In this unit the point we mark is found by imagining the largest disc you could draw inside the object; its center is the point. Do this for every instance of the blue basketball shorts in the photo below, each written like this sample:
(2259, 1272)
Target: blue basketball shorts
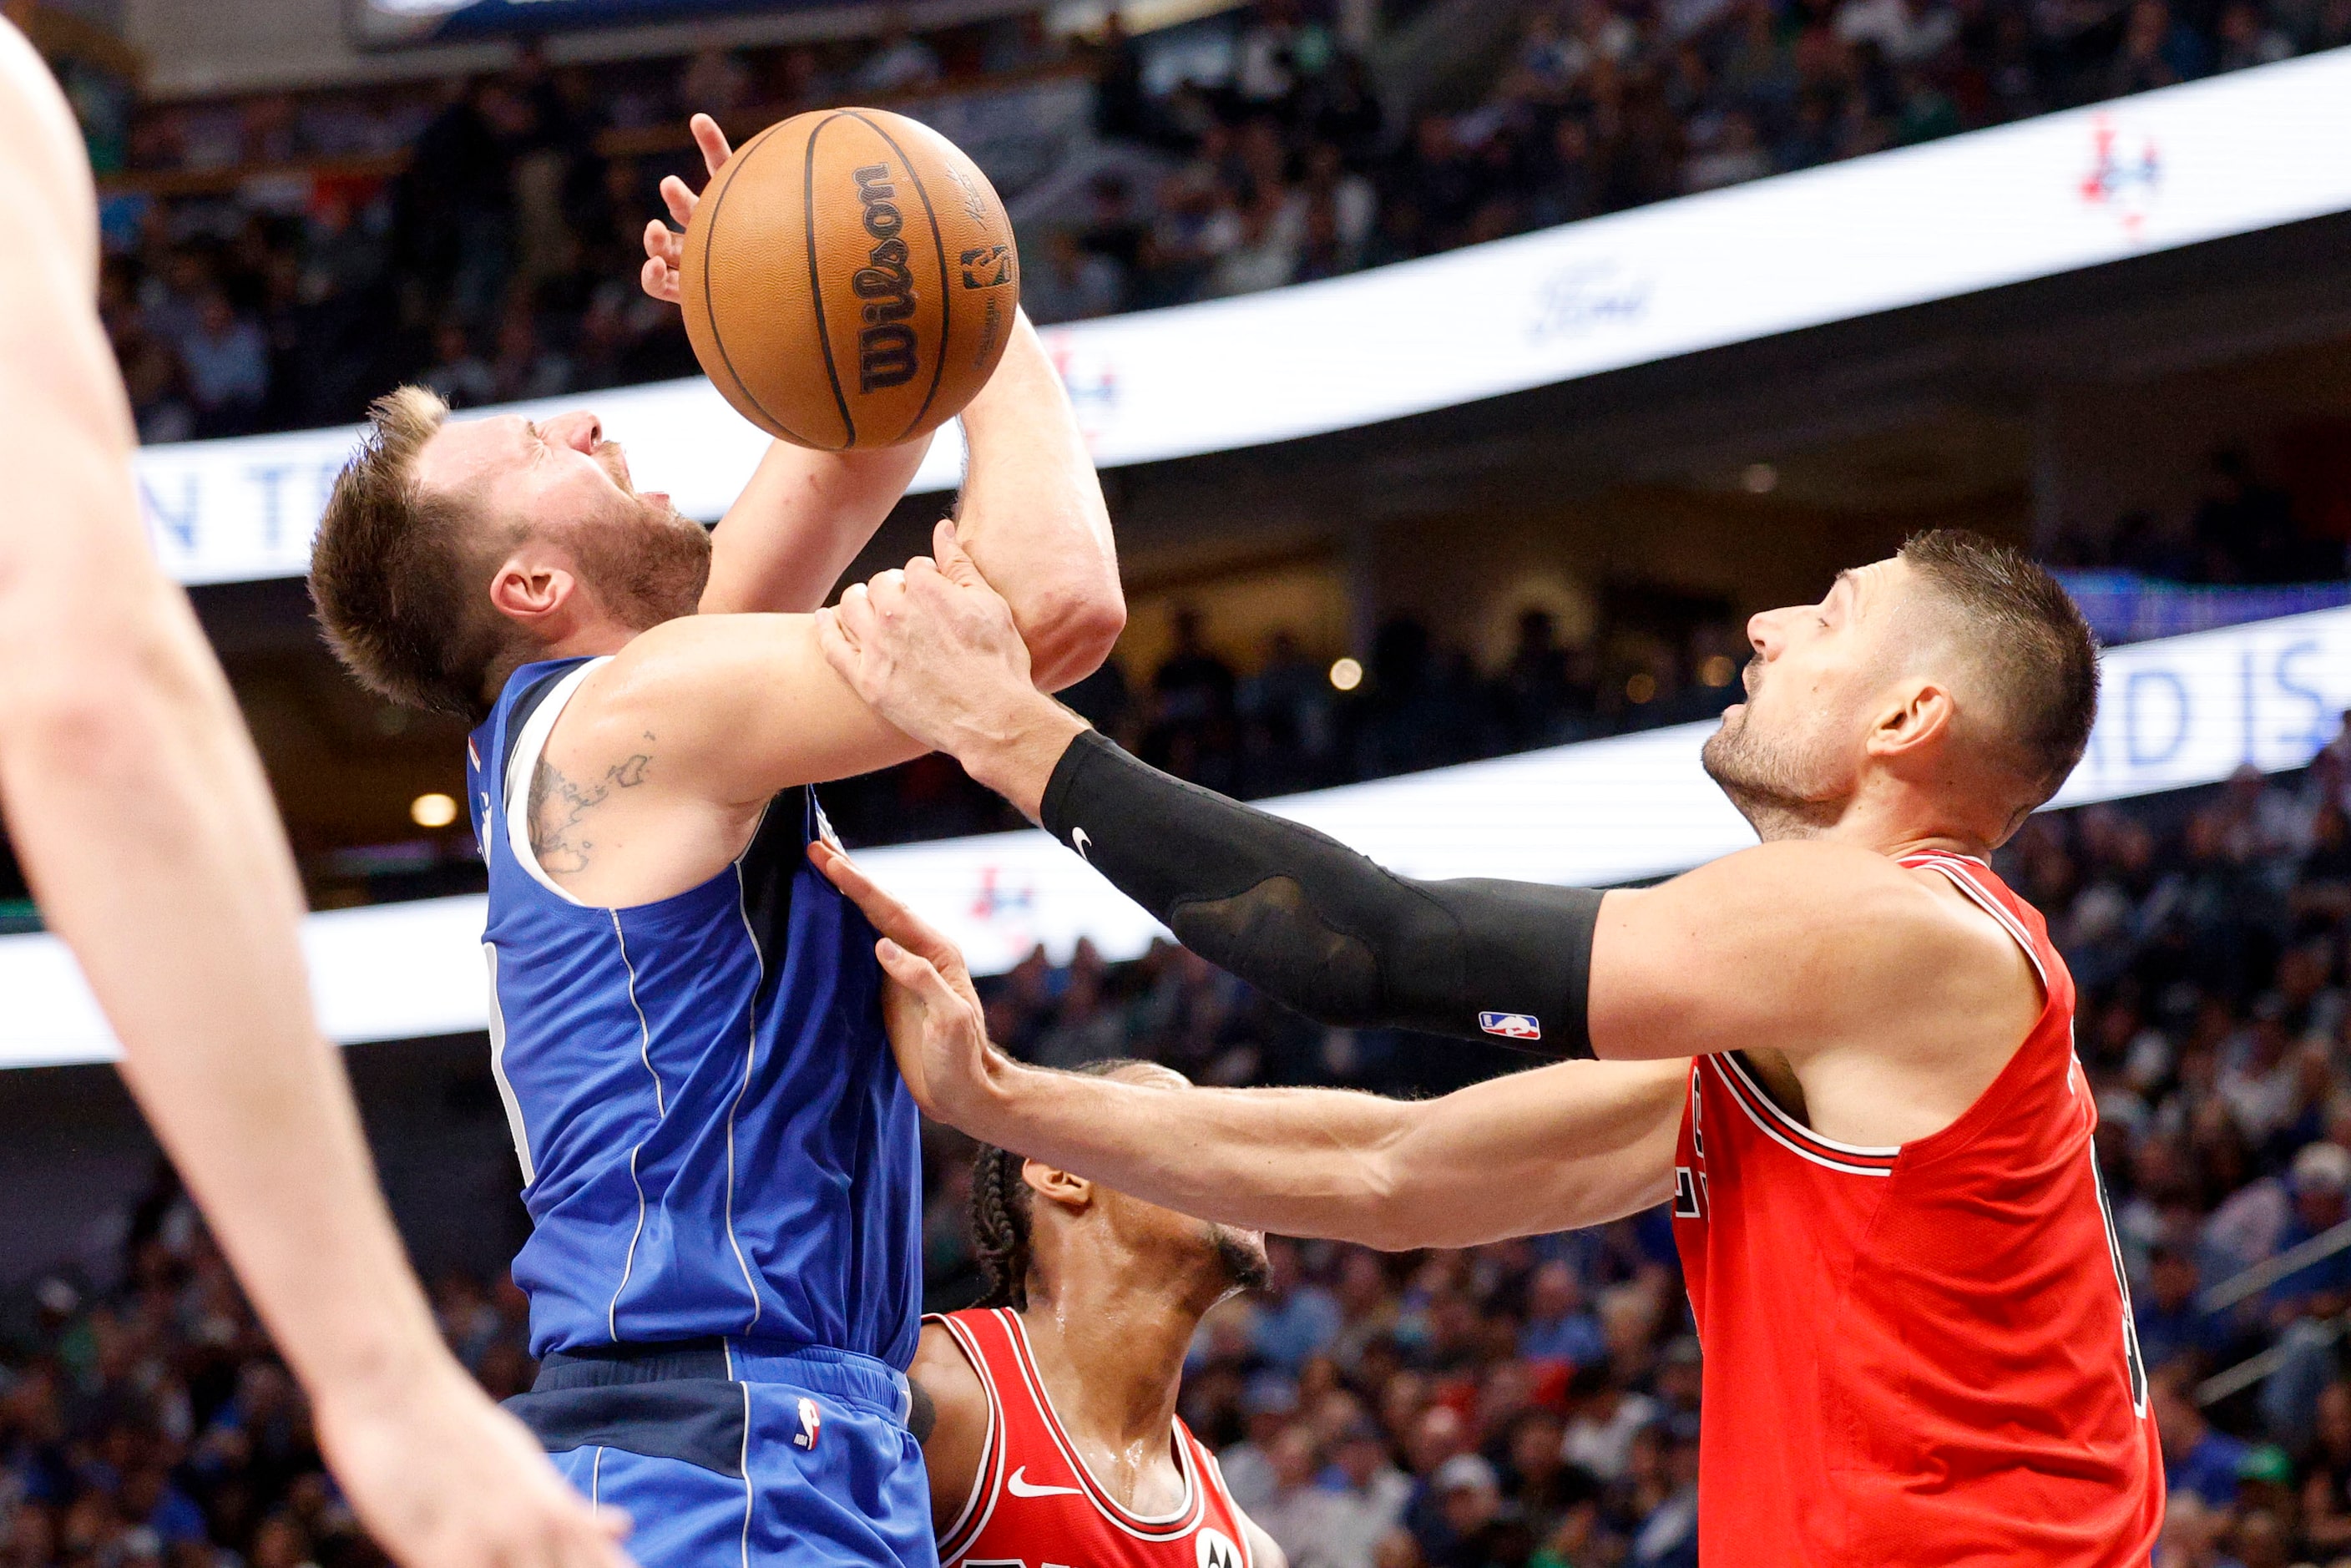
(730, 1455)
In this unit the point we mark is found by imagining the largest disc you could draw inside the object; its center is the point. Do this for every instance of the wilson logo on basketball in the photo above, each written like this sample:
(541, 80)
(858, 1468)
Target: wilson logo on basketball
(885, 347)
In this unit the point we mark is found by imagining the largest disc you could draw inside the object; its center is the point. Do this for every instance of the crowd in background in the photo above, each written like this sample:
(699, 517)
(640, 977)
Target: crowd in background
(1291, 721)
(1528, 1405)
(276, 260)
(2242, 528)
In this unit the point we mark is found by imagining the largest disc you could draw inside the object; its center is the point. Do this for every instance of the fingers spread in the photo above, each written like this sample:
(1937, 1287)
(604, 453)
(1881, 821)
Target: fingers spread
(712, 140)
(677, 199)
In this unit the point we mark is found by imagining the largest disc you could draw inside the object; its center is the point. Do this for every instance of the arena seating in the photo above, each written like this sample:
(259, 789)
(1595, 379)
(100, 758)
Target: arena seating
(1523, 1404)
(255, 243)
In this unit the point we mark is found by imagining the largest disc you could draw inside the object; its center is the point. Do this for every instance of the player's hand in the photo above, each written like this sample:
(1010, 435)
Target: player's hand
(931, 647)
(442, 1477)
(938, 1029)
(665, 248)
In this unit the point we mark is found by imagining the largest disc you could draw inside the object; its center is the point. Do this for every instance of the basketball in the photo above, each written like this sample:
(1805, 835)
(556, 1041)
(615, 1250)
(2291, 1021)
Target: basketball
(849, 279)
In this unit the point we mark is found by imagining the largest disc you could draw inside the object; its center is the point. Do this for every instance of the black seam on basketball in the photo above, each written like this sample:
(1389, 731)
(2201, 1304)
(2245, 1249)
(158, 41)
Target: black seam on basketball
(710, 312)
(816, 285)
(938, 248)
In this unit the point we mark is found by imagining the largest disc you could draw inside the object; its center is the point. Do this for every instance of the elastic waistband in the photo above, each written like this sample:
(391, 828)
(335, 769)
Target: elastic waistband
(819, 1369)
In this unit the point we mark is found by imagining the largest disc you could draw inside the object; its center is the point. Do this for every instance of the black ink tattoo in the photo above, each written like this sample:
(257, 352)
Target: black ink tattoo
(559, 807)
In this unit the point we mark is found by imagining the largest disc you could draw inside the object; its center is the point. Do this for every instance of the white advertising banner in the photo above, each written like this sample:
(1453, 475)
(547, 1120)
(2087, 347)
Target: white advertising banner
(2186, 711)
(2219, 157)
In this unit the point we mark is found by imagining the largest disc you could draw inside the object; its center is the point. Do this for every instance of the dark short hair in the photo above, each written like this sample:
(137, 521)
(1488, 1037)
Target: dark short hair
(1000, 1209)
(2040, 653)
(391, 572)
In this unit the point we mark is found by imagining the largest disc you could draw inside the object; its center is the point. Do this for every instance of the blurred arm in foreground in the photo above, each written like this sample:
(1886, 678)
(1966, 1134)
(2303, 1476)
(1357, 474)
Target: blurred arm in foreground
(139, 810)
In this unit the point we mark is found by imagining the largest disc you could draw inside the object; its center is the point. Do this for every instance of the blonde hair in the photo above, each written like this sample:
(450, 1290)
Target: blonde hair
(393, 568)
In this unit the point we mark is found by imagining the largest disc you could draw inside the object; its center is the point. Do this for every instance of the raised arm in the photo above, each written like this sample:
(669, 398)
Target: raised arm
(142, 820)
(1571, 1144)
(805, 514)
(1031, 511)
(1032, 517)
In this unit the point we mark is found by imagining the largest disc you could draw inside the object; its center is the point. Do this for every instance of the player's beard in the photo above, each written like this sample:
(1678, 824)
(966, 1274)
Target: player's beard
(1241, 1256)
(649, 567)
(1776, 782)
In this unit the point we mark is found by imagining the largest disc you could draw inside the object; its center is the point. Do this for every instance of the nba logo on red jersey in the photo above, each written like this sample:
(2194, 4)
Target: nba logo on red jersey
(811, 1423)
(1511, 1026)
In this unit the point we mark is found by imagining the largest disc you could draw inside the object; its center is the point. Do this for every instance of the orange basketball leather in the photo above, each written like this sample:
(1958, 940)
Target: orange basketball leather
(849, 279)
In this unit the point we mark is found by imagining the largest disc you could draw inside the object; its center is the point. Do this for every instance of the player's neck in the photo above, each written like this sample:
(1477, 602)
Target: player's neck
(1893, 827)
(1114, 1359)
(591, 639)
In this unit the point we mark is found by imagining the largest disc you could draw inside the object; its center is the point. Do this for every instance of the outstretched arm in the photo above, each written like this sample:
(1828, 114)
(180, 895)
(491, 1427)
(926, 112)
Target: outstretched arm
(146, 828)
(1799, 947)
(1569, 1144)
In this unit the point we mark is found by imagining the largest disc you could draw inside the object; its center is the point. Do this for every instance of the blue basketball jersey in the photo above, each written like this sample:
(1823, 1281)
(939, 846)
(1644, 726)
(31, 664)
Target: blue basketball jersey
(714, 1139)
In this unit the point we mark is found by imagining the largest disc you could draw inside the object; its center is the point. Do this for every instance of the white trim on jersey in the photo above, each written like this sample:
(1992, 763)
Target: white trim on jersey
(515, 1128)
(1960, 870)
(1785, 1141)
(1885, 1152)
(661, 1113)
(524, 767)
(988, 1485)
(1155, 1527)
(750, 1059)
(749, 1495)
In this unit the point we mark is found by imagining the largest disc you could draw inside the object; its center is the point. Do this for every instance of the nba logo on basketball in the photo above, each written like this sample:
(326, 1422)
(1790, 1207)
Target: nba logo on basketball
(1511, 1026)
(1215, 1550)
(811, 1423)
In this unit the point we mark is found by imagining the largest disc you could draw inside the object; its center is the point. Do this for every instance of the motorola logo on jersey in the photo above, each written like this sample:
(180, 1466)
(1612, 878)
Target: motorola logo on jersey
(1215, 1548)
(811, 1424)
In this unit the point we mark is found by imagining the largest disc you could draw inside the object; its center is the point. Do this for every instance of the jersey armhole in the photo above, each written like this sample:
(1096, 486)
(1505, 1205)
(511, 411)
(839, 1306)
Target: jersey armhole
(522, 769)
(979, 1503)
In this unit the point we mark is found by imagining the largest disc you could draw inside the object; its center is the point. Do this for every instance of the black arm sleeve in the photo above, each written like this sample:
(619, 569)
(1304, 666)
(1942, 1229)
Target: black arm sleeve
(1316, 926)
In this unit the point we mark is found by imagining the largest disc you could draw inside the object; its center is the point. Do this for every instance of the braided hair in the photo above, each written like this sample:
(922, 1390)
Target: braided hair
(999, 1210)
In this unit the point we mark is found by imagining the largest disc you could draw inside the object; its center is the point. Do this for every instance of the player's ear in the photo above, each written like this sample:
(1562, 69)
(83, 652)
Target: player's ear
(1073, 1193)
(530, 591)
(1916, 713)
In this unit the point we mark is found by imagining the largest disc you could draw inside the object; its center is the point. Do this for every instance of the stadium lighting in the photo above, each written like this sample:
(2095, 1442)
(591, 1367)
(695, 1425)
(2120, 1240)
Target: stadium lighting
(1346, 675)
(432, 810)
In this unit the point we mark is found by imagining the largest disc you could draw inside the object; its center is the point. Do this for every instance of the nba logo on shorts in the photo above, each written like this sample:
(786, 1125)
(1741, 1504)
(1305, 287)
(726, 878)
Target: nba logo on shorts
(811, 1423)
(1215, 1548)
(1511, 1026)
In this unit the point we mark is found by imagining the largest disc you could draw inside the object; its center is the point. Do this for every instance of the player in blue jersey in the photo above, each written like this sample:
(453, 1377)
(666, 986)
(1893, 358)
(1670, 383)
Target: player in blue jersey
(717, 1151)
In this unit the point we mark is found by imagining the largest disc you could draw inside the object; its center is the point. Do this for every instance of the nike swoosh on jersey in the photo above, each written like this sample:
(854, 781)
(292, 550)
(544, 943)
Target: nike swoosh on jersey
(1020, 1485)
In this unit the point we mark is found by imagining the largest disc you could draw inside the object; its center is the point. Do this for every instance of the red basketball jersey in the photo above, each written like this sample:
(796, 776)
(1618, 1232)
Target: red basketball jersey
(1922, 1354)
(1035, 1502)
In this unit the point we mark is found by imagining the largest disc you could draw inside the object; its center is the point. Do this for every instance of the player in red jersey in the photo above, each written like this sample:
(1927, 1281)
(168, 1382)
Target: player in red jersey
(1918, 1340)
(1054, 1436)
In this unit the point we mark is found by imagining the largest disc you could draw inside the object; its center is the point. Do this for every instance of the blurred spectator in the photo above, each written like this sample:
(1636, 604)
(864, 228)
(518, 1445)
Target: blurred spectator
(1073, 284)
(226, 360)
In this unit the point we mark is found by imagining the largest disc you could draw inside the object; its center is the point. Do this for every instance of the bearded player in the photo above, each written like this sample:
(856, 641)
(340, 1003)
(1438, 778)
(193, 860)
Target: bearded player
(717, 1152)
(1918, 1338)
(1055, 1437)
